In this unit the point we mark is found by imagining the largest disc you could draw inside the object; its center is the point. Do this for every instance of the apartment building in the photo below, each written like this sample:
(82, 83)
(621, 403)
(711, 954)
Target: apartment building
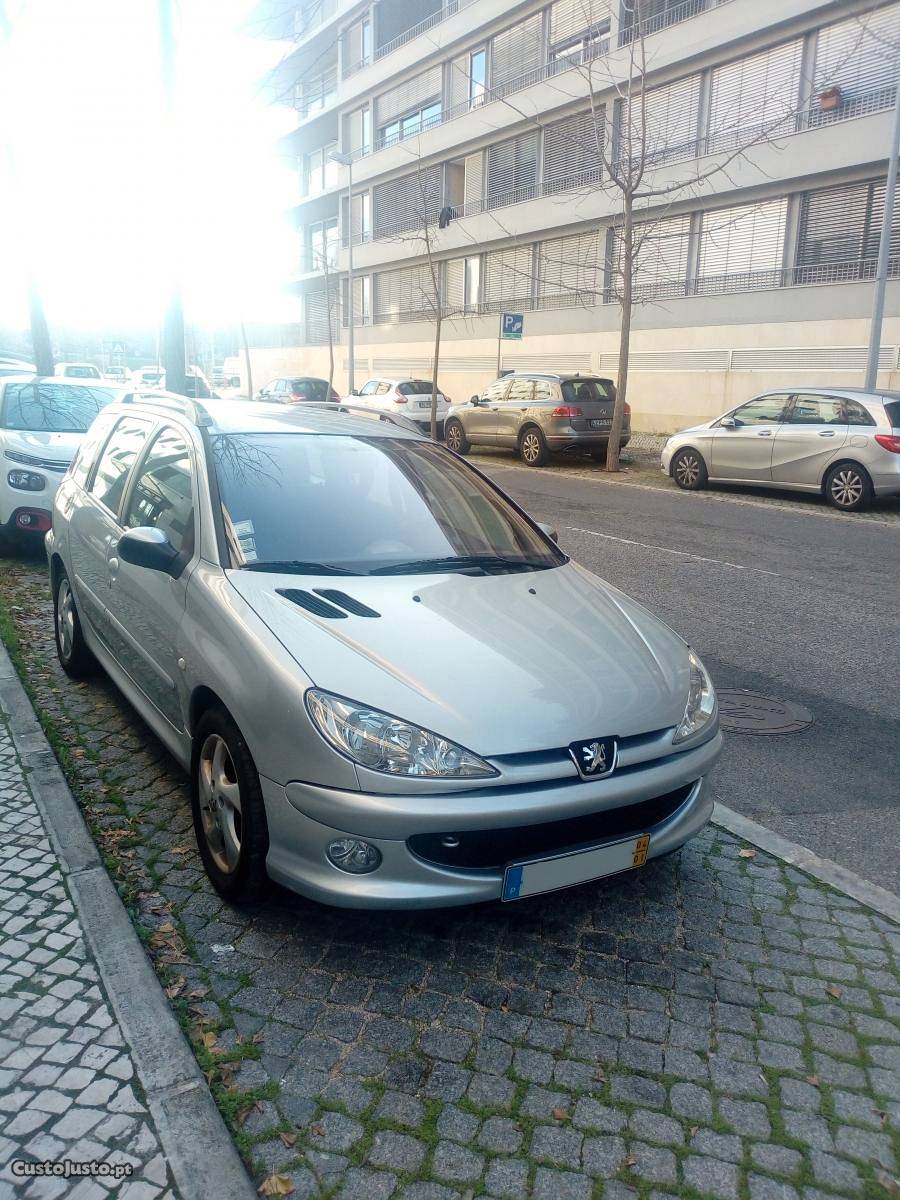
(479, 136)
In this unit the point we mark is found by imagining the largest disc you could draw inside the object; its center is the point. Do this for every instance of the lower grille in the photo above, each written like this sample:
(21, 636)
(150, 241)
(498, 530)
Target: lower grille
(486, 849)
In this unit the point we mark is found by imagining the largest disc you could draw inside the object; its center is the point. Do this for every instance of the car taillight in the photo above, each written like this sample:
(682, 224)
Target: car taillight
(627, 410)
(566, 410)
(890, 441)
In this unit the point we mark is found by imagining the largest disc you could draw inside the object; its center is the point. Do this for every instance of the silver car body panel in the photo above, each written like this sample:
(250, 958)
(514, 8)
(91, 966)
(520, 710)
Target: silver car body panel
(515, 667)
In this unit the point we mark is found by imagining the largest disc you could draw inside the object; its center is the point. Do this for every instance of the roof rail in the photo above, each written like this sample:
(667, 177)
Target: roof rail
(339, 406)
(192, 409)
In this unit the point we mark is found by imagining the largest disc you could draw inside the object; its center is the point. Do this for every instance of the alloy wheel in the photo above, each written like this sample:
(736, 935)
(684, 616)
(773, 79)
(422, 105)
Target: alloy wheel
(65, 618)
(847, 487)
(531, 447)
(220, 803)
(687, 470)
(454, 438)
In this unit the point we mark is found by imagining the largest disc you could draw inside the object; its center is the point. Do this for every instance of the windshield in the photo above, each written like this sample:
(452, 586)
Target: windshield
(53, 407)
(82, 372)
(416, 387)
(585, 391)
(311, 389)
(356, 504)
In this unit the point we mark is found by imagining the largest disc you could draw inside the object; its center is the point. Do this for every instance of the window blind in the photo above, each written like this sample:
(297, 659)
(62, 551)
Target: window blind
(860, 55)
(455, 285)
(742, 246)
(414, 93)
(661, 258)
(839, 232)
(754, 95)
(569, 271)
(672, 115)
(508, 276)
(512, 170)
(473, 183)
(458, 81)
(319, 306)
(573, 152)
(400, 204)
(569, 18)
(404, 295)
(516, 51)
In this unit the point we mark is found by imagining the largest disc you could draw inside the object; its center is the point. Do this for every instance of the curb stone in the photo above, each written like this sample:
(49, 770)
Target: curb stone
(195, 1141)
(823, 869)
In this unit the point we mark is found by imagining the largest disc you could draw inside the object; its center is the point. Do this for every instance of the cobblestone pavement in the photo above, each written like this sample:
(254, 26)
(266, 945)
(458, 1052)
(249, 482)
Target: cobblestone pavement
(67, 1080)
(716, 1025)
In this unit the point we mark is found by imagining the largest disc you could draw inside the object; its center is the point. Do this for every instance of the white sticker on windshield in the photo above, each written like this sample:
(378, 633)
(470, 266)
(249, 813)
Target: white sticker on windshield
(243, 528)
(247, 543)
(249, 555)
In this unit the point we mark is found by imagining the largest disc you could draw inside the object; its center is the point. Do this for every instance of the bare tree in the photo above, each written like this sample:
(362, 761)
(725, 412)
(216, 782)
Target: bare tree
(40, 334)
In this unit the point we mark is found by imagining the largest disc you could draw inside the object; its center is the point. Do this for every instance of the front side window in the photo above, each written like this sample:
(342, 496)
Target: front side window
(368, 389)
(496, 391)
(817, 410)
(163, 493)
(764, 410)
(116, 461)
(365, 505)
(53, 407)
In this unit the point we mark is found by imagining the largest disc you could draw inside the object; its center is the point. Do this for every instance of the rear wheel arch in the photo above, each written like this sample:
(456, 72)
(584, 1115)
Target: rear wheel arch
(867, 493)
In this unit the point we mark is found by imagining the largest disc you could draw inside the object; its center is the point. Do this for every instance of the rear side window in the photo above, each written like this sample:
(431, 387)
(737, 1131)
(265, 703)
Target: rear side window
(90, 448)
(521, 391)
(116, 461)
(817, 410)
(892, 408)
(586, 391)
(856, 414)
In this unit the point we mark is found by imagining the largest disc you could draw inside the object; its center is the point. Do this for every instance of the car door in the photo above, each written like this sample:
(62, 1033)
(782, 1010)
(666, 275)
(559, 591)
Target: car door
(743, 451)
(480, 420)
(511, 411)
(94, 525)
(814, 430)
(366, 394)
(146, 607)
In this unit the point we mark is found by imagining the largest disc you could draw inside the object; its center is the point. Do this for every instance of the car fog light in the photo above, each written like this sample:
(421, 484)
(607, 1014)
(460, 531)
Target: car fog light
(353, 855)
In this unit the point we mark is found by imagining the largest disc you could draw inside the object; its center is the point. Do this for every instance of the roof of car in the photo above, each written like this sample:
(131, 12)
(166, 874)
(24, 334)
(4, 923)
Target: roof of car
(250, 416)
(829, 390)
(565, 377)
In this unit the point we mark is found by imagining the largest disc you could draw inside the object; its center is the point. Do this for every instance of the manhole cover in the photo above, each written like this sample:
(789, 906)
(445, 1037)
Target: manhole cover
(741, 711)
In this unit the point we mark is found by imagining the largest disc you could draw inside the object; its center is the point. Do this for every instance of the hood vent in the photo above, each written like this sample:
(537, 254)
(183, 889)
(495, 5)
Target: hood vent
(317, 602)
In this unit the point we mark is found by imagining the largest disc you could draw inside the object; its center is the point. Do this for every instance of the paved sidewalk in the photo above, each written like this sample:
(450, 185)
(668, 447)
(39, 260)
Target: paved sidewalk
(67, 1080)
(718, 1025)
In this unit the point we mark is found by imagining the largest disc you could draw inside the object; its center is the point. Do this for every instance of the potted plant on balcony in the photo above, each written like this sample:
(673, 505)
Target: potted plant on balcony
(830, 98)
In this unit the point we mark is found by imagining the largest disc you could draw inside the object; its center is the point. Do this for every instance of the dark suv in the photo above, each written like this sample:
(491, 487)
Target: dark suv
(296, 389)
(536, 413)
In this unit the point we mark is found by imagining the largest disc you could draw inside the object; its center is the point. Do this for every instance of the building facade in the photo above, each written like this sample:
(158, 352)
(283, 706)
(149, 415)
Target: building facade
(484, 139)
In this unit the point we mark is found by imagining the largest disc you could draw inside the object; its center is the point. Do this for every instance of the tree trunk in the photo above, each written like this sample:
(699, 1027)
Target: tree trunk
(40, 335)
(434, 372)
(615, 433)
(249, 369)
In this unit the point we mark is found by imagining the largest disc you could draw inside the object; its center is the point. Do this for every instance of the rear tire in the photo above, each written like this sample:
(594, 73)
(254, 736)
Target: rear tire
(455, 437)
(72, 650)
(848, 487)
(228, 809)
(532, 447)
(689, 470)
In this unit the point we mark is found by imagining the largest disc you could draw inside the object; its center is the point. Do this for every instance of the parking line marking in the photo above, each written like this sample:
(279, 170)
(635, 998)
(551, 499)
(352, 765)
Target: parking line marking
(719, 562)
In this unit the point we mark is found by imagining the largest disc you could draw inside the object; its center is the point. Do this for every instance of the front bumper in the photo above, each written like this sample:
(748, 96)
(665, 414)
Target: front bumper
(303, 819)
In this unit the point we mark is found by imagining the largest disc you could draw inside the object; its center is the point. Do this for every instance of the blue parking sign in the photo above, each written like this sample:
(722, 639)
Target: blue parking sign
(512, 326)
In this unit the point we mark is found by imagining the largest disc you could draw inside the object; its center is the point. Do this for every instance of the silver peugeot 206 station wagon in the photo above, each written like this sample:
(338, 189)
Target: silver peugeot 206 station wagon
(390, 686)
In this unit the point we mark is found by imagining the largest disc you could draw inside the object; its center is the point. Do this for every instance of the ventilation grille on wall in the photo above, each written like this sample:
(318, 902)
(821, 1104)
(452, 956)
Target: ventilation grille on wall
(360, 366)
(809, 358)
(669, 360)
(556, 363)
(422, 366)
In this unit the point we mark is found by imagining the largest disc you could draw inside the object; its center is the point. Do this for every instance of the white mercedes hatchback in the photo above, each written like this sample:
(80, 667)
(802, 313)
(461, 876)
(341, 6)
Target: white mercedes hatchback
(390, 686)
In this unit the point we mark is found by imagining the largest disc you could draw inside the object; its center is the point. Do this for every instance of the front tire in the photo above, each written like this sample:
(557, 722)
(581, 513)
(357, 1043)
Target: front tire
(228, 809)
(848, 487)
(532, 448)
(72, 650)
(455, 437)
(689, 470)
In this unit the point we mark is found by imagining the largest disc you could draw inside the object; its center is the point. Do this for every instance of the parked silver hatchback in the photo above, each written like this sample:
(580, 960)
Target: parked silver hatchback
(390, 686)
(841, 443)
(537, 414)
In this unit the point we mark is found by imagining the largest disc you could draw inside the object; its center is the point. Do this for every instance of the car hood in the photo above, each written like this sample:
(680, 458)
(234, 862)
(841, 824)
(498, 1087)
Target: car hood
(703, 427)
(59, 447)
(502, 664)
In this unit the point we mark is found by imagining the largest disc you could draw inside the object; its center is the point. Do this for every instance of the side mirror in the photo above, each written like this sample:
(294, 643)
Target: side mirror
(549, 530)
(354, 391)
(728, 423)
(147, 547)
(474, 399)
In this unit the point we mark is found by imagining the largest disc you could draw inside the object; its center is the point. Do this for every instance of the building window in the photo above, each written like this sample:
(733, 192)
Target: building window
(472, 283)
(839, 234)
(477, 77)
(321, 169)
(742, 247)
(418, 121)
(323, 245)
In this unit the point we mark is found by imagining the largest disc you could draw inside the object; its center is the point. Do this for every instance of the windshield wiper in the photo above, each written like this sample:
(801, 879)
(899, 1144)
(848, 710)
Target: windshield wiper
(296, 566)
(483, 563)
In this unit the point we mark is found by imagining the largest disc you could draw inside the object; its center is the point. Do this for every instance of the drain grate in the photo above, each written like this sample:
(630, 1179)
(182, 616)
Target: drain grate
(741, 711)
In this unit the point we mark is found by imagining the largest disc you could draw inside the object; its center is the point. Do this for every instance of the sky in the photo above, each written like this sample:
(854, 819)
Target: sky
(106, 203)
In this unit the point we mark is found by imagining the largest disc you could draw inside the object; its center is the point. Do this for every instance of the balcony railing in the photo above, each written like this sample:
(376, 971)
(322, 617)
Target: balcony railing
(317, 95)
(447, 10)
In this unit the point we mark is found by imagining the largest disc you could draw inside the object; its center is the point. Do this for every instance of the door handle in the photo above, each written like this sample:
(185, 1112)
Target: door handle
(826, 433)
(112, 567)
(764, 433)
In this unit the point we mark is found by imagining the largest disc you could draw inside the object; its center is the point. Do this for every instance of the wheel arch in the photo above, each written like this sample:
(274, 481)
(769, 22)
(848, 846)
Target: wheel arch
(202, 699)
(842, 461)
(680, 451)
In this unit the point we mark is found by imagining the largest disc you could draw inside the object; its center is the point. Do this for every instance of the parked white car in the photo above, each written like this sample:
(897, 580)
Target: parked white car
(77, 371)
(42, 425)
(410, 398)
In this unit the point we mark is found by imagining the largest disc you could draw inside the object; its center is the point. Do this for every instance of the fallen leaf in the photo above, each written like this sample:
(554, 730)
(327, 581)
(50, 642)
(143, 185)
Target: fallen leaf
(560, 1114)
(208, 1039)
(317, 1130)
(747, 854)
(276, 1185)
(629, 1161)
(833, 990)
(181, 850)
(694, 1130)
(890, 1185)
(174, 989)
(813, 1079)
(288, 1138)
(244, 1113)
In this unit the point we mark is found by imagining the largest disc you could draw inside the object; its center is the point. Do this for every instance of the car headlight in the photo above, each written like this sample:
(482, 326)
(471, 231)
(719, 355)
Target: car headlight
(701, 701)
(381, 742)
(25, 481)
